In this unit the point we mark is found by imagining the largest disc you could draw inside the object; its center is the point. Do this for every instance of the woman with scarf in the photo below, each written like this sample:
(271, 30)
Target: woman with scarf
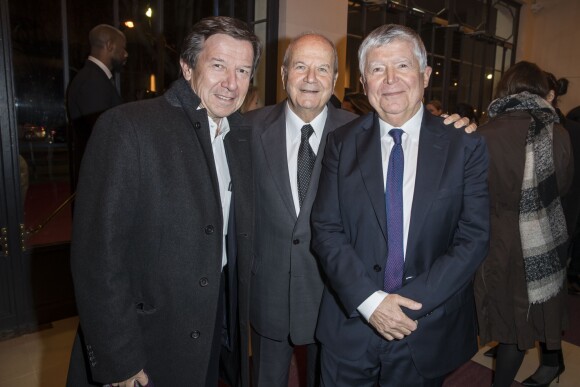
(520, 287)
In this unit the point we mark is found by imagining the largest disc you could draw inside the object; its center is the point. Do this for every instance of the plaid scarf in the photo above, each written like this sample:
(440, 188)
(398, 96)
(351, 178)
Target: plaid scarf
(541, 219)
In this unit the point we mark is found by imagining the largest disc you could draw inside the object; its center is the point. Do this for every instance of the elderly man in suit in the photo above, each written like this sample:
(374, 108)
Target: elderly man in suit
(92, 90)
(288, 143)
(400, 223)
(163, 224)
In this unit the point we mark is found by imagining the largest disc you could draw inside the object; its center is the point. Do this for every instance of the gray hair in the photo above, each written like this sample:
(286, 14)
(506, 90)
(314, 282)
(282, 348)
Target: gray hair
(287, 54)
(384, 35)
(202, 30)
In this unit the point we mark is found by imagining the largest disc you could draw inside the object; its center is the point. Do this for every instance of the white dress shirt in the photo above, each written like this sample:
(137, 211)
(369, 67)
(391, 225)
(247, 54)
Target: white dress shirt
(410, 143)
(293, 135)
(102, 66)
(223, 174)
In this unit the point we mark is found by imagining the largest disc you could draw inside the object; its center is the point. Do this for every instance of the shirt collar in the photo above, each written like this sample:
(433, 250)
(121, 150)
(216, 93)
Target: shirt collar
(412, 127)
(224, 126)
(295, 123)
(102, 66)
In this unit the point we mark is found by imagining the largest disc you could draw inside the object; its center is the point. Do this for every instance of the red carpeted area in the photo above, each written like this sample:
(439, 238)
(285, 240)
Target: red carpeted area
(42, 199)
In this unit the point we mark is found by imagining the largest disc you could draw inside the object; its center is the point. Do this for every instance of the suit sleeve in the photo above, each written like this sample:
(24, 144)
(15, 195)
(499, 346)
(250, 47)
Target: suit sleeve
(105, 209)
(452, 271)
(345, 271)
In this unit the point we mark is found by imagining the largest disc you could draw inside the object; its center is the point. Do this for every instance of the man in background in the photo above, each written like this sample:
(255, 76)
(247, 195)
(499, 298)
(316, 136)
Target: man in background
(92, 90)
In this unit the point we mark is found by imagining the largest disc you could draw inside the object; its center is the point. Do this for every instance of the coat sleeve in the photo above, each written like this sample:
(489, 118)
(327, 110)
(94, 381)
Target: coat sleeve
(104, 214)
(344, 270)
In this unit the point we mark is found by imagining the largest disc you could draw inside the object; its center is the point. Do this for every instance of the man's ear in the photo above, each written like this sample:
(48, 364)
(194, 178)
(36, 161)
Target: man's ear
(426, 76)
(362, 82)
(185, 70)
(283, 75)
(110, 45)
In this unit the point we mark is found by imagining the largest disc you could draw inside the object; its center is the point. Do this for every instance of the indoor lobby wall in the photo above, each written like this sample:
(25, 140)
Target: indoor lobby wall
(549, 36)
(328, 17)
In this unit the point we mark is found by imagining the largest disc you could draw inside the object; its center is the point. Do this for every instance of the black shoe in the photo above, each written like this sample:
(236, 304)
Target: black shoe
(544, 375)
(492, 352)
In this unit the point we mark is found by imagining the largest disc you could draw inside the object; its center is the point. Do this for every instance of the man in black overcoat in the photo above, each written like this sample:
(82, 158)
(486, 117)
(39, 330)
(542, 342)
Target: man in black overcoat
(161, 247)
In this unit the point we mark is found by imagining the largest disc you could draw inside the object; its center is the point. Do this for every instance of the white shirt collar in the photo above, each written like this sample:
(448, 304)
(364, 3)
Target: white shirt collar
(102, 66)
(294, 122)
(412, 127)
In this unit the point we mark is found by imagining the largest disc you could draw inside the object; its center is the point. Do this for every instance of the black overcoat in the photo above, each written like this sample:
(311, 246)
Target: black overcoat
(147, 241)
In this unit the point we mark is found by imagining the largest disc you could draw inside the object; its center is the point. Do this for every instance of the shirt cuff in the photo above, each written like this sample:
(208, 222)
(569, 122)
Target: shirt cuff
(367, 308)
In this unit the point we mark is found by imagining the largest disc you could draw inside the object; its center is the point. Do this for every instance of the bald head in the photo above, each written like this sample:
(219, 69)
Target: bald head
(108, 44)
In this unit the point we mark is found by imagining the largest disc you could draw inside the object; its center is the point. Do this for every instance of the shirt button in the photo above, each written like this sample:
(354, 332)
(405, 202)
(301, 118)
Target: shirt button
(209, 229)
(296, 241)
(377, 268)
(203, 281)
(195, 334)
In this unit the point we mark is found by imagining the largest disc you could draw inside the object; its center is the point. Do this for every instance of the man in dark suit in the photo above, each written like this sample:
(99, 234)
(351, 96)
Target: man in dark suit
(92, 90)
(286, 285)
(398, 307)
(162, 230)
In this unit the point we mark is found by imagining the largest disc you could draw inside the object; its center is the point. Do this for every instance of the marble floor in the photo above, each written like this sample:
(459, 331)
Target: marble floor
(40, 359)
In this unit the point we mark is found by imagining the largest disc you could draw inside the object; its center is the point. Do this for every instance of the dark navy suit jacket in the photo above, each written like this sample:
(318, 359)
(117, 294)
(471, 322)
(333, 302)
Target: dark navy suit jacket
(448, 239)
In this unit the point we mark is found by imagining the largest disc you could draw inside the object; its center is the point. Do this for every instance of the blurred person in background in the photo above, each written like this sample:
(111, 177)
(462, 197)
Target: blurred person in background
(252, 100)
(435, 107)
(520, 287)
(92, 90)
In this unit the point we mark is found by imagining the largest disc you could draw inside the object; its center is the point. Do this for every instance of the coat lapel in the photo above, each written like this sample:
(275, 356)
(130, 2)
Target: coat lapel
(433, 148)
(181, 91)
(368, 148)
(273, 141)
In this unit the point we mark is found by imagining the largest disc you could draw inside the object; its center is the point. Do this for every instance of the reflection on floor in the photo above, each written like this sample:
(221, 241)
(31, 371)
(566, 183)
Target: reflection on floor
(41, 359)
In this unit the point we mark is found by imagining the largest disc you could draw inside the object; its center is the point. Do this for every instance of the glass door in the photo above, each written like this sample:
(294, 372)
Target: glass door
(16, 311)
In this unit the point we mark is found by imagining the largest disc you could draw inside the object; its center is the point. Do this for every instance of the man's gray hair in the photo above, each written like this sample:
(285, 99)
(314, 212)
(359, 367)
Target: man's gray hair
(387, 33)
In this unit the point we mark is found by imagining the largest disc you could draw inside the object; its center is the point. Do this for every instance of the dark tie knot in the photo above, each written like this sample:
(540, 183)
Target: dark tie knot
(396, 134)
(307, 131)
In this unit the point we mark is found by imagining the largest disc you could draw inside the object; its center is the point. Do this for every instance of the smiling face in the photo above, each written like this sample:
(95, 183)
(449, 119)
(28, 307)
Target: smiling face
(222, 74)
(393, 81)
(310, 76)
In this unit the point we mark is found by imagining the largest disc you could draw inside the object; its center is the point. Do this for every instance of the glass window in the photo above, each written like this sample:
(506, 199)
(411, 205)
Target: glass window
(467, 44)
(48, 52)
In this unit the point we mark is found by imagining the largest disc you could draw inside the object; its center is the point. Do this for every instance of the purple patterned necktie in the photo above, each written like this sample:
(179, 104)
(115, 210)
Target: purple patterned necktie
(394, 202)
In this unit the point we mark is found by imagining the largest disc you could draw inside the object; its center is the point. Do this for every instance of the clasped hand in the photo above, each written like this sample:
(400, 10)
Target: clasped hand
(390, 321)
(140, 378)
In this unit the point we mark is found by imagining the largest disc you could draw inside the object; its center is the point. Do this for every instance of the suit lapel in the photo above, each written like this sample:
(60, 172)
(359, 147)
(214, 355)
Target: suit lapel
(433, 148)
(368, 148)
(273, 141)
